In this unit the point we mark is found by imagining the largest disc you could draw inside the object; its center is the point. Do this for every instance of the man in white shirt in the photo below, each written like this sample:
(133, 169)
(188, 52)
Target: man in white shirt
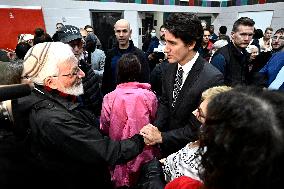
(186, 76)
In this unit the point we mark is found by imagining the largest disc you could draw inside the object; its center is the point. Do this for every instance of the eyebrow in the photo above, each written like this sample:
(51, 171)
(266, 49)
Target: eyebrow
(124, 30)
(170, 41)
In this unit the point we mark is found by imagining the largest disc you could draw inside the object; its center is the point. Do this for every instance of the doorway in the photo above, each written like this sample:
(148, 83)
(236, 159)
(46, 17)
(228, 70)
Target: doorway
(103, 23)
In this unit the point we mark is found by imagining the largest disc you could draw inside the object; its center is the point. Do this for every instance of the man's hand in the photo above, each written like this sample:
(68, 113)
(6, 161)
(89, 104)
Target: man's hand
(151, 134)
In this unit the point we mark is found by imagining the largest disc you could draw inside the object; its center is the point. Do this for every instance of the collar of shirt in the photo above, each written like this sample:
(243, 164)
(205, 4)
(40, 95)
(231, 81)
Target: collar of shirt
(187, 67)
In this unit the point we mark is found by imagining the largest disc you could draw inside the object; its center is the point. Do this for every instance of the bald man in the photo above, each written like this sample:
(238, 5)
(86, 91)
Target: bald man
(124, 45)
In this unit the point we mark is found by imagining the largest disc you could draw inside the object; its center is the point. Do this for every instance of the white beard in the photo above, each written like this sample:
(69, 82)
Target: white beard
(76, 90)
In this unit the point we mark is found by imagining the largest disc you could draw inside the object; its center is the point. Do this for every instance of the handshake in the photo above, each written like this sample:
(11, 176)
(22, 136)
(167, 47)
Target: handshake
(151, 134)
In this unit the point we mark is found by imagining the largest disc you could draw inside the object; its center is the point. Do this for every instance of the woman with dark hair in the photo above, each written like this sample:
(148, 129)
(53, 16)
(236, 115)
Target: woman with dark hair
(41, 36)
(243, 138)
(125, 111)
(22, 49)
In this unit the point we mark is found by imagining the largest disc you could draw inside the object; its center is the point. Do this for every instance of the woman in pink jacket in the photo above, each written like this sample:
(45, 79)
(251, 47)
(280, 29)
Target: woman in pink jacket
(124, 112)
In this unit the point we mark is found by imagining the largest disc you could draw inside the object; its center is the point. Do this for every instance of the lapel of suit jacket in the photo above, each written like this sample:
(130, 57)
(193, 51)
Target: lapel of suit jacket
(190, 80)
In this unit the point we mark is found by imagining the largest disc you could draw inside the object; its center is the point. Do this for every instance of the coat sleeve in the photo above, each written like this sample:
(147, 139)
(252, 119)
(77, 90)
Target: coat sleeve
(175, 139)
(101, 63)
(106, 81)
(105, 116)
(163, 113)
(78, 139)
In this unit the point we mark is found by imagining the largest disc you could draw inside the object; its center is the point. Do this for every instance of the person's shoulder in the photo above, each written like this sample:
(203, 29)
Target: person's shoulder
(278, 54)
(138, 51)
(111, 52)
(209, 68)
(100, 51)
(169, 67)
(277, 57)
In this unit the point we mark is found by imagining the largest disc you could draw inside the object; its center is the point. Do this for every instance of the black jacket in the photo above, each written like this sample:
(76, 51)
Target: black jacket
(66, 140)
(235, 62)
(112, 57)
(178, 125)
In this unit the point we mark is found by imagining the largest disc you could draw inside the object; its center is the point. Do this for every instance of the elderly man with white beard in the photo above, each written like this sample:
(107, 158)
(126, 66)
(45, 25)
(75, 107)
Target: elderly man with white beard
(65, 138)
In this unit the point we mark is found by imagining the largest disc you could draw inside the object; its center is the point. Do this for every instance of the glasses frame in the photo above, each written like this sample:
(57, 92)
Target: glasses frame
(200, 113)
(280, 38)
(75, 72)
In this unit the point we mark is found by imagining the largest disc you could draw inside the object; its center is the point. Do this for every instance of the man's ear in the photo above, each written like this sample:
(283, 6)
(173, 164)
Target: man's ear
(232, 35)
(50, 82)
(191, 45)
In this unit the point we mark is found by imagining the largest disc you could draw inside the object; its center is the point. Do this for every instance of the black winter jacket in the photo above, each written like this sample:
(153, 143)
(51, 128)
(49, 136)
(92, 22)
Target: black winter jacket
(112, 57)
(66, 140)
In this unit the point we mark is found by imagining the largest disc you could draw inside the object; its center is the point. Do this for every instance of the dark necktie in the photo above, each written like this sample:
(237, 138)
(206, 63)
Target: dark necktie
(177, 85)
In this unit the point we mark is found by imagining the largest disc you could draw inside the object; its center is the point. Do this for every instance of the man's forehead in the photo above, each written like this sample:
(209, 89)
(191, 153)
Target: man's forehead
(122, 24)
(121, 27)
(206, 32)
(245, 29)
(169, 36)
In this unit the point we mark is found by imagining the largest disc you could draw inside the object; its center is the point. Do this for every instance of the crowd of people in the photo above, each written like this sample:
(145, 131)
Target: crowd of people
(191, 110)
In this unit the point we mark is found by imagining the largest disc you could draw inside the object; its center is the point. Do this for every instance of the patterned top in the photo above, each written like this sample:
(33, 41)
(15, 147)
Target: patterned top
(184, 162)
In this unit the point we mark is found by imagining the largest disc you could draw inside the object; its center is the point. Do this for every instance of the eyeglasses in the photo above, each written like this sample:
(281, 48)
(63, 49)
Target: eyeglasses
(200, 113)
(75, 72)
(78, 43)
(90, 31)
(280, 38)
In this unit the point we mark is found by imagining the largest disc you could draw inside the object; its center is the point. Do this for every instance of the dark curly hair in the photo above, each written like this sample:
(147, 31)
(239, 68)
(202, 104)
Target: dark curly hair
(187, 27)
(22, 49)
(244, 140)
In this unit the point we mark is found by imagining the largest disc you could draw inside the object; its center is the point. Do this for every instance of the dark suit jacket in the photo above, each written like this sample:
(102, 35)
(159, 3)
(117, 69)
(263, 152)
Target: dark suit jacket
(178, 125)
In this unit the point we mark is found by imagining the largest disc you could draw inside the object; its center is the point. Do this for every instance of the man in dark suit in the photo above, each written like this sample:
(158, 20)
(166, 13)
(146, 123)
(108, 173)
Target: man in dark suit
(186, 76)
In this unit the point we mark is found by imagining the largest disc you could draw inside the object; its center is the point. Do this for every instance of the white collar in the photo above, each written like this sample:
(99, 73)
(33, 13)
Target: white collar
(187, 67)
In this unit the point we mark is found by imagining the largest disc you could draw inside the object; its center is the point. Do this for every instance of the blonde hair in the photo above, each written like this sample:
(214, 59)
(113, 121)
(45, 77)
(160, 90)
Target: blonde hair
(213, 91)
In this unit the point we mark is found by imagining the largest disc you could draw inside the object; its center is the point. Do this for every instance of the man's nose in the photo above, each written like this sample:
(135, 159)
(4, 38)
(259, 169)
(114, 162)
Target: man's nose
(247, 37)
(166, 49)
(120, 33)
(81, 74)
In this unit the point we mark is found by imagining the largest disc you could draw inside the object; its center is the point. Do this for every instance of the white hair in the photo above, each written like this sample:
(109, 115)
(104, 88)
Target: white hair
(43, 59)
(250, 47)
(220, 43)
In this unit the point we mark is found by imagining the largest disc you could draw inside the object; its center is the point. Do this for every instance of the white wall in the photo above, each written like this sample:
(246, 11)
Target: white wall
(229, 15)
(132, 17)
(77, 12)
